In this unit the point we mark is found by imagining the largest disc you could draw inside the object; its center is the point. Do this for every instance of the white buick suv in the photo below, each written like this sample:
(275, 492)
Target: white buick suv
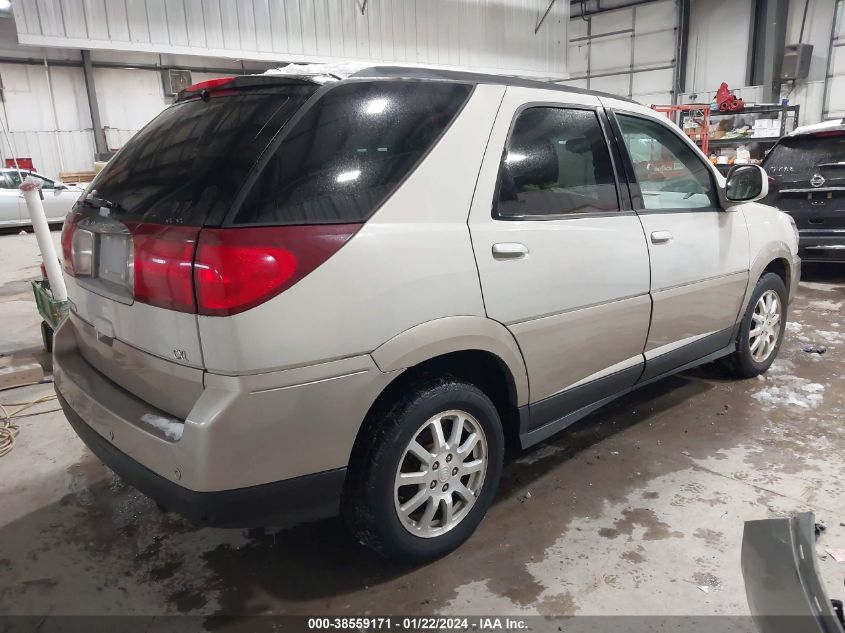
(293, 297)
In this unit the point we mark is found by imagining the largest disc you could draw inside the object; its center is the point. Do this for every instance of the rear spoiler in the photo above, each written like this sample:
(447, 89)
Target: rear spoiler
(241, 82)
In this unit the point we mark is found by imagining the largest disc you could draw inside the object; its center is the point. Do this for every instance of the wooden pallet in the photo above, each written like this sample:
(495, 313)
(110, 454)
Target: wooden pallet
(74, 177)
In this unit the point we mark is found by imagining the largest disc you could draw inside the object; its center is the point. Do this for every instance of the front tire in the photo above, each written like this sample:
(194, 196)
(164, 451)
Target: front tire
(425, 472)
(761, 330)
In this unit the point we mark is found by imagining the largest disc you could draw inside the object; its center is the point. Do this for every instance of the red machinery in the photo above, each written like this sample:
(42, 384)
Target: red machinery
(726, 101)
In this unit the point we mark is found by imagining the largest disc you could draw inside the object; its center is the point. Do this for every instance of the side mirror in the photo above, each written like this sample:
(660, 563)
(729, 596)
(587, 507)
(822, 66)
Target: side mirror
(746, 183)
(58, 187)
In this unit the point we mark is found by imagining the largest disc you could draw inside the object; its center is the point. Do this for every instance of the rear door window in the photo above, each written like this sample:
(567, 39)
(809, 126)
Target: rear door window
(349, 152)
(189, 163)
(556, 163)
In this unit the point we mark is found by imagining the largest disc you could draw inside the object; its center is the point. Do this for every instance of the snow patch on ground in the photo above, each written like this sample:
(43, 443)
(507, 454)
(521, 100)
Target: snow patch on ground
(820, 286)
(793, 327)
(171, 428)
(833, 306)
(830, 336)
(782, 366)
(790, 390)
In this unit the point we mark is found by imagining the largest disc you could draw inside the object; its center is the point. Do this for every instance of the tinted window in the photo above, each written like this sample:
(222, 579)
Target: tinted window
(192, 159)
(46, 183)
(349, 151)
(670, 174)
(556, 162)
(797, 159)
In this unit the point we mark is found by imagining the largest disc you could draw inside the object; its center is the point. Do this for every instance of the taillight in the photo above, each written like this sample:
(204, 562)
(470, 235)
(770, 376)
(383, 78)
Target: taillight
(239, 268)
(163, 258)
(68, 229)
(209, 84)
(205, 88)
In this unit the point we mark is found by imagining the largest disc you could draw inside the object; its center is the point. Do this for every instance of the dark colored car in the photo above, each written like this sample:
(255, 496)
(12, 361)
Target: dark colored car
(808, 170)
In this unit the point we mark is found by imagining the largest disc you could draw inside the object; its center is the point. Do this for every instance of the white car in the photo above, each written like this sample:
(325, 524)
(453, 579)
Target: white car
(58, 198)
(291, 299)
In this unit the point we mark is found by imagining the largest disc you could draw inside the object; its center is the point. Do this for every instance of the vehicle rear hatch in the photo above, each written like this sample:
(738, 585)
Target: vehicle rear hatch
(129, 244)
(809, 171)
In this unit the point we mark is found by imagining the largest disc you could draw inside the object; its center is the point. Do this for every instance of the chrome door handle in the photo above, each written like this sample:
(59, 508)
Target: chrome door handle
(660, 237)
(509, 250)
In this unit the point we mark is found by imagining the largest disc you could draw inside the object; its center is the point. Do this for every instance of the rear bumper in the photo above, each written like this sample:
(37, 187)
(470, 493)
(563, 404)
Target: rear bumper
(294, 500)
(822, 247)
(247, 440)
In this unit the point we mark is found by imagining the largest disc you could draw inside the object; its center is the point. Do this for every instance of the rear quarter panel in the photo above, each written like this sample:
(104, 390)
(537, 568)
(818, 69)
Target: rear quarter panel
(412, 262)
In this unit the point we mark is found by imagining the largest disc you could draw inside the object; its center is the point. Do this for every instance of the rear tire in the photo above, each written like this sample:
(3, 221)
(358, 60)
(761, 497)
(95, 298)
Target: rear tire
(414, 493)
(761, 330)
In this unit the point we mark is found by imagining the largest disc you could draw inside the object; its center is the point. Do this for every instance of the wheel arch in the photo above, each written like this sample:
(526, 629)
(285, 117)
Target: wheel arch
(478, 350)
(452, 336)
(776, 258)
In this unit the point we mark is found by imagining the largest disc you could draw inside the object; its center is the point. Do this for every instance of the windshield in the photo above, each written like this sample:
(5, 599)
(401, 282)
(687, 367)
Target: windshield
(188, 164)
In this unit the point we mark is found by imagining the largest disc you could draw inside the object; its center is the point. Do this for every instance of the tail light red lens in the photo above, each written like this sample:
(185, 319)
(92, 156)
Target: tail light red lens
(239, 268)
(163, 258)
(210, 84)
(68, 229)
(218, 272)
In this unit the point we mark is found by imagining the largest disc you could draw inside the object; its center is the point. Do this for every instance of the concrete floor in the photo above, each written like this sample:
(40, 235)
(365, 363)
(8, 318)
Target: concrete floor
(636, 510)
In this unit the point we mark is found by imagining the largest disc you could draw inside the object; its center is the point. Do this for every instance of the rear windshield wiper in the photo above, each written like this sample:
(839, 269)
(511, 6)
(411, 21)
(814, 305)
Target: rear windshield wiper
(839, 164)
(96, 202)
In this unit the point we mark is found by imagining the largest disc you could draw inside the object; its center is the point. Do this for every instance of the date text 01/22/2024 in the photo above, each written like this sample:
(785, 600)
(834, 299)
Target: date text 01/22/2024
(419, 623)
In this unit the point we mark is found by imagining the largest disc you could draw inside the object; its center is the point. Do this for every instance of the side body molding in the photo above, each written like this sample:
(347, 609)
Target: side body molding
(454, 334)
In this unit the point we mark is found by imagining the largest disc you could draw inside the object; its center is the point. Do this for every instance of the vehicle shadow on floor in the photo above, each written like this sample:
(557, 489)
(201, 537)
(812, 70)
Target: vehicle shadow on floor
(294, 569)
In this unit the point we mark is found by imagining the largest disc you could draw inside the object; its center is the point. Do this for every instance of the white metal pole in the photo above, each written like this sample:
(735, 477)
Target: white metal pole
(30, 188)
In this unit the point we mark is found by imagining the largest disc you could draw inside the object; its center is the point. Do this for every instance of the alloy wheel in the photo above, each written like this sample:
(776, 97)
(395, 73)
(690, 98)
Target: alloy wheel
(441, 473)
(765, 326)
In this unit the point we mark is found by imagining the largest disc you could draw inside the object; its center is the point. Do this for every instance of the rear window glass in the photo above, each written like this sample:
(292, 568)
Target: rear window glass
(190, 162)
(557, 162)
(801, 157)
(349, 152)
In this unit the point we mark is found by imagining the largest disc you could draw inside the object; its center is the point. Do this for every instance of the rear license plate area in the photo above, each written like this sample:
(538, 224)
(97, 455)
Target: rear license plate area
(113, 259)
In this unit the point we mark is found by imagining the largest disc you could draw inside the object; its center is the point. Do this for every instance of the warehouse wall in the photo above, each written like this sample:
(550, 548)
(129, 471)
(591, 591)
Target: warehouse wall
(494, 35)
(718, 44)
(128, 99)
(614, 50)
(833, 90)
(627, 51)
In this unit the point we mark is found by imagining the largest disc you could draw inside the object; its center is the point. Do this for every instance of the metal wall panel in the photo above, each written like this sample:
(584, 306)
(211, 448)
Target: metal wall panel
(488, 35)
(626, 51)
(833, 99)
